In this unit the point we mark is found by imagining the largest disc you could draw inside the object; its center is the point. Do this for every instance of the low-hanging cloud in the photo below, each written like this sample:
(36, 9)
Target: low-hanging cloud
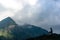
(43, 12)
(36, 12)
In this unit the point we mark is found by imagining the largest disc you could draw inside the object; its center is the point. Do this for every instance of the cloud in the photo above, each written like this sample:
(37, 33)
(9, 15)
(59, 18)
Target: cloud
(38, 12)
(4, 12)
(2, 9)
(42, 13)
(11, 4)
(28, 13)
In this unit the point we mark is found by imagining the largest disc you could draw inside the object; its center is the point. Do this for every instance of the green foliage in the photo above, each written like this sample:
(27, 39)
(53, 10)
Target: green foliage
(6, 33)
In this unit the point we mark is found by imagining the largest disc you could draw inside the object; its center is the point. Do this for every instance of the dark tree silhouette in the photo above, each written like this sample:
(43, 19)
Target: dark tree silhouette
(51, 30)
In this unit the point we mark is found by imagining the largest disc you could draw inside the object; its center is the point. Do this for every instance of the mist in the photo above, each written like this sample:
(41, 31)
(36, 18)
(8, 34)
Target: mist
(42, 13)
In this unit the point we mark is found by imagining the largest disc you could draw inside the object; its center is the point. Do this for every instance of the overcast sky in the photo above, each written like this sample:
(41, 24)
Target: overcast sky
(43, 13)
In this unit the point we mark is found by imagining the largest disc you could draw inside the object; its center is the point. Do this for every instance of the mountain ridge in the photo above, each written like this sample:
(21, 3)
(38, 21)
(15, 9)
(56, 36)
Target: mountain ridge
(22, 32)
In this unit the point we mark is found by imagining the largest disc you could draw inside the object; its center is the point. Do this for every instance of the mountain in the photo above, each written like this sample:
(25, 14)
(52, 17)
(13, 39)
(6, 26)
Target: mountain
(28, 31)
(21, 32)
(6, 22)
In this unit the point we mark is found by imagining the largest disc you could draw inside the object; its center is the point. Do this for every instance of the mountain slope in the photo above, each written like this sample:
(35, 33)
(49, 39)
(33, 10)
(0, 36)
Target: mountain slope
(21, 32)
(6, 22)
(28, 31)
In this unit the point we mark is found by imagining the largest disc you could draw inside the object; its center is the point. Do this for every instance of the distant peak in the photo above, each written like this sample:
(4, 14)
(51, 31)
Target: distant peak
(8, 18)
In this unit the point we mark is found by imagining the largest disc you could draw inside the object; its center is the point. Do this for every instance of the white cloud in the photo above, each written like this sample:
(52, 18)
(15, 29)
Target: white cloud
(17, 4)
(11, 4)
(31, 2)
(6, 14)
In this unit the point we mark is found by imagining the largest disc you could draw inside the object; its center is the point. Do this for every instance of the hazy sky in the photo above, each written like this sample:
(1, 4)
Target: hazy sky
(43, 13)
